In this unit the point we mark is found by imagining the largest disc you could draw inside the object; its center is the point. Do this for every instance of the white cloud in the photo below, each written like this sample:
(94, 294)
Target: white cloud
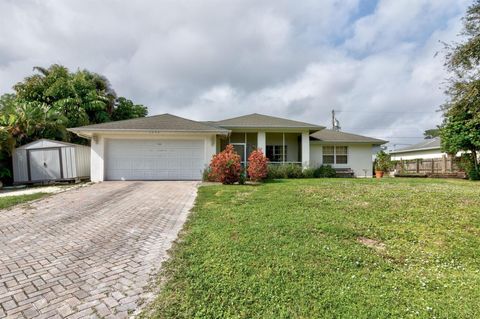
(214, 59)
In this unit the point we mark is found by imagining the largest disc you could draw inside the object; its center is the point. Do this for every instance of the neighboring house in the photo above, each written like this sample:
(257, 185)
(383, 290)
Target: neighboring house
(168, 147)
(427, 149)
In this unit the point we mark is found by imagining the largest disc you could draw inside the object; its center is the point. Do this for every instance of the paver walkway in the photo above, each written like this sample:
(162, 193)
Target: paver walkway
(88, 252)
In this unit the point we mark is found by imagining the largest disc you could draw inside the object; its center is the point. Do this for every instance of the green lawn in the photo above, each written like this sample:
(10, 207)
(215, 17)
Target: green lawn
(9, 201)
(290, 249)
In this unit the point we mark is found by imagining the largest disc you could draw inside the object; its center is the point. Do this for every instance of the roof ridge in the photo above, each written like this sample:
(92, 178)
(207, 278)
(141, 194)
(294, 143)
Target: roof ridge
(425, 144)
(354, 137)
(259, 115)
(151, 122)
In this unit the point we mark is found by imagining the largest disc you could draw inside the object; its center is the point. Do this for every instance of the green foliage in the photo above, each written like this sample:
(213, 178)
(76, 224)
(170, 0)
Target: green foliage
(309, 172)
(9, 201)
(330, 248)
(296, 171)
(466, 163)
(29, 121)
(325, 171)
(432, 133)
(206, 175)
(383, 162)
(81, 98)
(243, 178)
(5, 172)
(461, 126)
(7, 103)
(125, 109)
(53, 99)
(276, 171)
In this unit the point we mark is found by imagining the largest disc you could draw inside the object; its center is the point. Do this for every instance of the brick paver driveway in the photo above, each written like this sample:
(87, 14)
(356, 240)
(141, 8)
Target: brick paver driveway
(88, 252)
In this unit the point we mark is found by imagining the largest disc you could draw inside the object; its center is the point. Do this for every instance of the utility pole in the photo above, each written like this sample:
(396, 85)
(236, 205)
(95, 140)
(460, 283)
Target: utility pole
(335, 122)
(333, 119)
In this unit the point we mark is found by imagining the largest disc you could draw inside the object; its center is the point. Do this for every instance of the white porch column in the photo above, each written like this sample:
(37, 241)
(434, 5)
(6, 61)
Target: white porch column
(97, 159)
(305, 149)
(262, 141)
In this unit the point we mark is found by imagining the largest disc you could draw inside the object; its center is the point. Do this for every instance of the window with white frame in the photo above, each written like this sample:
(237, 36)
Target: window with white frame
(335, 154)
(275, 153)
(328, 155)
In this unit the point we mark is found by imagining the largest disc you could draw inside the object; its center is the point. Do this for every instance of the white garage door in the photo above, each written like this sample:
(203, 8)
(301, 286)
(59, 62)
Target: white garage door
(154, 159)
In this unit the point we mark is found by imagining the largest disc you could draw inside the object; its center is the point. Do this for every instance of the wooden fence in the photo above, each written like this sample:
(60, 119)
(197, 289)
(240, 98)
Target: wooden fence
(445, 165)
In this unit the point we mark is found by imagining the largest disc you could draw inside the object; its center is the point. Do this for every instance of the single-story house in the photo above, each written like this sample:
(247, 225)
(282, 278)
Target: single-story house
(427, 149)
(168, 147)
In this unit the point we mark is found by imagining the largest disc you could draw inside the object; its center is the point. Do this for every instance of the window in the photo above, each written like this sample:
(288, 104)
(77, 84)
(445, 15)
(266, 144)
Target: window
(335, 155)
(275, 153)
(341, 154)
(328, 155)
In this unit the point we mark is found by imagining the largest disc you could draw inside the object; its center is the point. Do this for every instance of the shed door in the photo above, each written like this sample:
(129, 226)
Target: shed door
(154, 159)
(45, 164)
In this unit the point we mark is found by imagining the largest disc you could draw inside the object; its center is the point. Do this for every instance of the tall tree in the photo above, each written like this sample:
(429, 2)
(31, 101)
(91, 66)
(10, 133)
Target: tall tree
(461, 126)
(83, 97)
(29, 121)
(7, 102)
(53, 99)
(431, 133)
(125, 109)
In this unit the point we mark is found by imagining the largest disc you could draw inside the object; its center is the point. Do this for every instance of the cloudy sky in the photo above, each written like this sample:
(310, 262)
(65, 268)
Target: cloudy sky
(374, 62)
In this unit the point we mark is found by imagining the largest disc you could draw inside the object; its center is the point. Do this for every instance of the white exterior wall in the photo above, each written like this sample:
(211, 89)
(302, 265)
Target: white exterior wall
(359, 158)
(421, 154)
(97, 155)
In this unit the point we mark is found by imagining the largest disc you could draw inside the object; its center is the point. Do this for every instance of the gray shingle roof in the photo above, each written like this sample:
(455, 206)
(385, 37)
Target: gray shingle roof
(256, 120)
(327, 135)
(433, 143)
(164, 122)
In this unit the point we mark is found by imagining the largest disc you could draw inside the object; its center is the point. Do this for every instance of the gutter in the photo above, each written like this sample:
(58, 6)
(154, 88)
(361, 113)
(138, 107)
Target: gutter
(416, 150)
(78, 131)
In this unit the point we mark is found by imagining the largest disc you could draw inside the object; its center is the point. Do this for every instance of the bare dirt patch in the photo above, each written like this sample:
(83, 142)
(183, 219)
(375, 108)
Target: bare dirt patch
(372, 243)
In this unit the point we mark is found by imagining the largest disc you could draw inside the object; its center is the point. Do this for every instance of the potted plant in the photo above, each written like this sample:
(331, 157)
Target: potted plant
(382, 164)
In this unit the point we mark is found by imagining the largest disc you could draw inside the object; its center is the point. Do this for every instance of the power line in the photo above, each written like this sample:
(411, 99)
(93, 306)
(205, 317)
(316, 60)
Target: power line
(403, 137)
(389, 112)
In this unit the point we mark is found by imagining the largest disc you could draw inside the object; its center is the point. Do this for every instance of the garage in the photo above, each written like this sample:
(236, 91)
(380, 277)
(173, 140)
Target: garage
(159, 147)
(162, 159)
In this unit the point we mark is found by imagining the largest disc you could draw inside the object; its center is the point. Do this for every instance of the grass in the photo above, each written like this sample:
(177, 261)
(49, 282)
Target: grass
(296, 249)
(8, 201)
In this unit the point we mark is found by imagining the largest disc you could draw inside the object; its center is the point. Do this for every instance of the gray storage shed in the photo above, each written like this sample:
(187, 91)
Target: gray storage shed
(46, 160)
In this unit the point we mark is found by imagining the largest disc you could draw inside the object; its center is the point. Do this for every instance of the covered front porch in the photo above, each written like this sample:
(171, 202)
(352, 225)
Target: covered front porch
(279, 147)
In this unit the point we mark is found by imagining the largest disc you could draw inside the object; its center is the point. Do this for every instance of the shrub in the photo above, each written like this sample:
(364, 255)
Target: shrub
(275, 172)
(284, 171)
(207, 176)
(257, 166)
(243, 178)
(225, 166)
(383, 162)
(325, 171)
(309, 173)
(466, 163)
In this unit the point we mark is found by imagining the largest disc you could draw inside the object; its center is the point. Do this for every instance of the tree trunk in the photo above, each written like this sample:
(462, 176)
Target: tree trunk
(475, 159)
